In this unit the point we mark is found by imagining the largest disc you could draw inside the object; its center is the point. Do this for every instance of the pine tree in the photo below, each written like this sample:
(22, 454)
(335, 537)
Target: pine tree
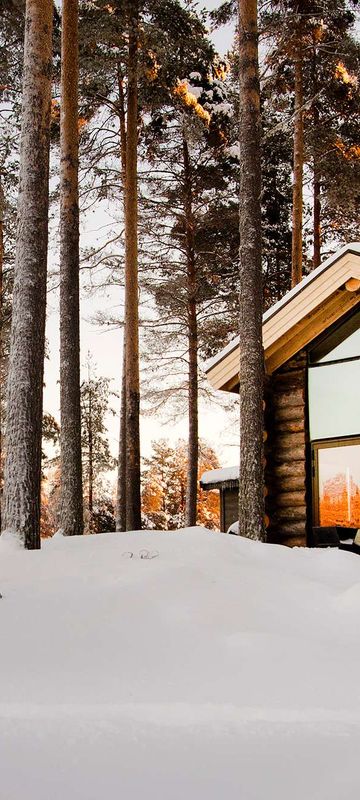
(120, 509)
(132, 368)
(311, 41)
(24, 403)
(2, 334)
(170, 39)
(71, 478)
(185, 188)
(193, 443)
(97, 459)
(11, 59)
(251, 484)
(164, 487)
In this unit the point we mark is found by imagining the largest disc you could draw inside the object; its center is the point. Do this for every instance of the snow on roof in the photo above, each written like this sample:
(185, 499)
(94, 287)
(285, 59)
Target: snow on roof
(220, 475)
(353, 247)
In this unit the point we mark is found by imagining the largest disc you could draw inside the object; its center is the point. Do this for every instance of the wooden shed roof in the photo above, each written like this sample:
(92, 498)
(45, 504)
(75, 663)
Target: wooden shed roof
(224, 478)
(319, 300)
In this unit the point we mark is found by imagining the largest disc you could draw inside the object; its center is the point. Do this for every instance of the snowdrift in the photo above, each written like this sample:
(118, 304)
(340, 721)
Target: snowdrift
(185, 665)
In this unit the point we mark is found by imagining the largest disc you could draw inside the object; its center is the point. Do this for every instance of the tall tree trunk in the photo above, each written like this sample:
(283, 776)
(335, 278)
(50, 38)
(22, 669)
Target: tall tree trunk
(133, 499)
(71, 515)
(25, 383)
(91, 467)
(193, 439)
(298, 169)
(316, 170)
(251, 484)
(316, 215)
(1, 337)
(120, 511)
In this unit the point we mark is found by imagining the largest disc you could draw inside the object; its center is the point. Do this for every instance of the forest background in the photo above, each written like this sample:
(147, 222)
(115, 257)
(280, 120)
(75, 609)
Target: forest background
(101, 224)
(105, 343)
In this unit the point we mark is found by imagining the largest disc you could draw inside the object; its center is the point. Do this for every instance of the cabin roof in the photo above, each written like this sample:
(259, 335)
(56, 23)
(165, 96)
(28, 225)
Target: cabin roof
(319, 300)
(225, 478)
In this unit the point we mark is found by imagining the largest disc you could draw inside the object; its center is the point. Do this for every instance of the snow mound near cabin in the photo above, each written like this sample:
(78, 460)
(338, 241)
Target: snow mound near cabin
(209, 665)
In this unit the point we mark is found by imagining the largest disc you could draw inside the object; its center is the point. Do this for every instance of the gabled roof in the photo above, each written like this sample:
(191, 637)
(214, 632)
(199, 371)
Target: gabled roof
(319, 300)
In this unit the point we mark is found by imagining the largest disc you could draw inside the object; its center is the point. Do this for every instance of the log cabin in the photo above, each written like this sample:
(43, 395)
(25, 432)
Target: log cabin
(311, 340)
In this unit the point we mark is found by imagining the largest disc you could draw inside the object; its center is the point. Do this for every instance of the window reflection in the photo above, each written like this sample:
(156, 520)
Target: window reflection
(334, 388)
(334, 412)
(334, 400)
(339, 485)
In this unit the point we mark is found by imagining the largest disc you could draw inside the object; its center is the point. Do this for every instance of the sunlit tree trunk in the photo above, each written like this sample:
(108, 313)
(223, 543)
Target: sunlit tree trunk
(25, 382)
(251, 484)
(91, 466)
(133, 500)
(316, 172)
(316, 217)
(71, 515)
(193, 435)
(298, 169)
(120, 511)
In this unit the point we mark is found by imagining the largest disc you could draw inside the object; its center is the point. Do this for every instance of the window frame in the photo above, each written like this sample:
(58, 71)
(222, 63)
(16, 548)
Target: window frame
(343, 322)
(321, 444)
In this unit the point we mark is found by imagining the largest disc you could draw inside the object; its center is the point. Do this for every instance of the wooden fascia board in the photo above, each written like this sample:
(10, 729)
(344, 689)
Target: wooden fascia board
(292, 327)
(306, 302)
(315, 324)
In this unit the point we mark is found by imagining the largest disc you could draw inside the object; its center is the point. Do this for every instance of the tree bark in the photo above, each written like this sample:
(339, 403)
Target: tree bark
(71, 514)
(193, 435)
(120, 512)
(316, 216)
(121, 474)
(316, 170)
(133, 499)
(251, 483)
(1, 339)
(316, 186)
(298, 169)
(25, 383)
(91, 466)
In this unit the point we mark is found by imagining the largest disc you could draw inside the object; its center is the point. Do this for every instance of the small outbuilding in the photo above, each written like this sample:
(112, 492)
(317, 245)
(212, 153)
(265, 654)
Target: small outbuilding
(226, 481)
(311, 343)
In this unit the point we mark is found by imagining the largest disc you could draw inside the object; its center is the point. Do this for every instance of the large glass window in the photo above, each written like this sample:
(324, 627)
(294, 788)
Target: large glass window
(334, 383)
(337, 474)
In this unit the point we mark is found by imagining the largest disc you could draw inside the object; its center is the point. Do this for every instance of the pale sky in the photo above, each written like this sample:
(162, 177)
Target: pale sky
(216, 426)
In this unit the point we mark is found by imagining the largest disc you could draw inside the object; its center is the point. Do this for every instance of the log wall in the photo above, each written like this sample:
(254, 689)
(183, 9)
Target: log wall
(285, 453)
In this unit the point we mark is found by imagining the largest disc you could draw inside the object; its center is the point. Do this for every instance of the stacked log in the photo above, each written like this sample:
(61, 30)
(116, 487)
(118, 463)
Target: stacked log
(285, 453)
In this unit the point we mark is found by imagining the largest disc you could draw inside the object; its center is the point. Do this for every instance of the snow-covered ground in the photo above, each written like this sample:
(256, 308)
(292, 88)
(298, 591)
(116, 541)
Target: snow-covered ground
(220, 668)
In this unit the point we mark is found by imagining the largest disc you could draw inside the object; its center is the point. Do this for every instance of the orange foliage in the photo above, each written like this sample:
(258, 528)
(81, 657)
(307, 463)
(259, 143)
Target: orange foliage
(350, 152)
(153, 68)
(55, 111)
(46, 521)
(318, 32)
(188, 99)
(340, 502)
(50, 499)
(164, 487)
(342, 74)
